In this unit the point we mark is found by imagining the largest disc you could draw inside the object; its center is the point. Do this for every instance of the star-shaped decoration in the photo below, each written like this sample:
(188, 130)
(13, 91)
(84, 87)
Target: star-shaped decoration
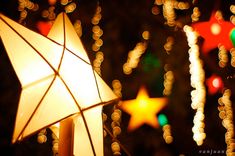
(57, 81)
(215, 31)
(143, 109)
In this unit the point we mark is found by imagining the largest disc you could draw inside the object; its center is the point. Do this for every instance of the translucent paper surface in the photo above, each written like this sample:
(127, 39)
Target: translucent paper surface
(57, 81)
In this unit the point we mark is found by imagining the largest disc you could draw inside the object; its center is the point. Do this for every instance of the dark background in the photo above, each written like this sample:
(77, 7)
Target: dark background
(123, 22)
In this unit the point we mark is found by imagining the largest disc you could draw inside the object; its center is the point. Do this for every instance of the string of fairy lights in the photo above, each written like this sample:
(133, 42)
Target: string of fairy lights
(222, 55)
(196, 14)
(116, 118)
(168, 84)
(198, 94)
(24, 7)
(98, 42)
(226, 114)
(169, 7)
(135, 54)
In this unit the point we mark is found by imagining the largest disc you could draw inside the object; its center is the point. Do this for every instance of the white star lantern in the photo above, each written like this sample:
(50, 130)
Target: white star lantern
(58, 82)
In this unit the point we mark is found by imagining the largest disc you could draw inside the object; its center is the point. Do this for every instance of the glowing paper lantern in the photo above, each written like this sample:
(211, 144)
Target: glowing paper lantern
(57, 82)
(215, 31)
(143, 110)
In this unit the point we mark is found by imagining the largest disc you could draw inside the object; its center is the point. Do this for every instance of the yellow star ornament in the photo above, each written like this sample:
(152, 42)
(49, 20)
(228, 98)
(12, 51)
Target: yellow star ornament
(143, 109)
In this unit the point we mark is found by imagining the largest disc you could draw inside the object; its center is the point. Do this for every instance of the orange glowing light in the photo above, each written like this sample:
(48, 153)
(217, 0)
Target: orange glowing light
(143, 109)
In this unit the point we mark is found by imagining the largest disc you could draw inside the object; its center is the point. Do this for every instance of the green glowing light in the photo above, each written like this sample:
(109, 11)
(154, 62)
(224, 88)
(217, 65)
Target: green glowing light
(232, 36)
(162, 119)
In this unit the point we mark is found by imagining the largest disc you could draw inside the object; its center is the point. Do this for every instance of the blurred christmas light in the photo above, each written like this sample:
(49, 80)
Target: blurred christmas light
(64, 2)
(24, 6)
(134, 57)
(49, 14)
(78, 27)
(232, 8)
(222, 55)
(98, 42)
(155, 10)
(198, 95)
(42, 138)
(232, 52)
(169, 7)
(150, 62)
(226, 114)
(196, 14)
(116, 118)
(162, 119)
(169, 44)
(55, 136)
(167, 134)
(232, 36)
(70, 7)
(168, 82)
(169, 75)
(214, 84)
(52, 2)
(145, 35)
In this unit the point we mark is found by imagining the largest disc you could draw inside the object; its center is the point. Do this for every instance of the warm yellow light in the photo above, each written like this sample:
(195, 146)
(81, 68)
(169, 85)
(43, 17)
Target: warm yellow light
(215, 29)
(143, 109)
(57, 82)
(197, 82)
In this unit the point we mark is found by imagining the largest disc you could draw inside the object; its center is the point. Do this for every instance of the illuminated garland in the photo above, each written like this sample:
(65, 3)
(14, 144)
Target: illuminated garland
(25, 6)
(198, 95)
(226, 114)
(232, 52)
(223, 57)
(135, 54)
(97, 33)
(196, 14)
(169, 75)
(169, 7)
(232, 18)
(116, 118)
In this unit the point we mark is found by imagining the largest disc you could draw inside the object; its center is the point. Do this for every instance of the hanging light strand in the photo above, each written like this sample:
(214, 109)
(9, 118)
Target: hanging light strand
(168, 80)
(232, 17)
(116, 118)
(167, 133)
(197, 82)
(232, 52)
(135, 54)
(169, 75)
(169, 7)
(226, 114)
(55, 136)
(98, 42)
(25, 6)
(196, 14)
(223, 56)
(168, 83)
